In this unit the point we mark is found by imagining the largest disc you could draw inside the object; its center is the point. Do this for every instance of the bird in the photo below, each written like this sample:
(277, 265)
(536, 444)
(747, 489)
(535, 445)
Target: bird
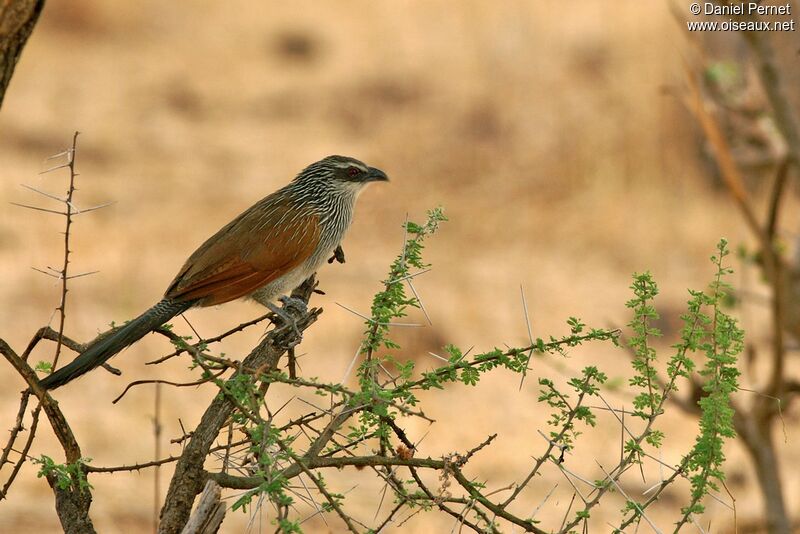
(263, 254)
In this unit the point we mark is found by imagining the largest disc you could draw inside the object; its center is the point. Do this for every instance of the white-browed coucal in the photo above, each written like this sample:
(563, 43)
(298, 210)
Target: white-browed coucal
(262, 254)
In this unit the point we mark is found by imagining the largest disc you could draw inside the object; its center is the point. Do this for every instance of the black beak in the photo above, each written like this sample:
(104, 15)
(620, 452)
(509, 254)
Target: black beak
(376, 175)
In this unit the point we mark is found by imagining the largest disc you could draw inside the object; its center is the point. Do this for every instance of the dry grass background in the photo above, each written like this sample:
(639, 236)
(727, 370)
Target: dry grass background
(542, 129)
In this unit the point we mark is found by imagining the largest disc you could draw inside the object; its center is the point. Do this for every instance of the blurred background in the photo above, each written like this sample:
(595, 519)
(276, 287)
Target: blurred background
(553, 135)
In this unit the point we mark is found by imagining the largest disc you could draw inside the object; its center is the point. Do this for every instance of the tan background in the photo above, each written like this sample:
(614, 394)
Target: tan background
(548, 133)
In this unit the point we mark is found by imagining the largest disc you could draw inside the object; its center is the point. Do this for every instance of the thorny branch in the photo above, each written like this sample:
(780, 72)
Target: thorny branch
(73, 499)
(273, 461)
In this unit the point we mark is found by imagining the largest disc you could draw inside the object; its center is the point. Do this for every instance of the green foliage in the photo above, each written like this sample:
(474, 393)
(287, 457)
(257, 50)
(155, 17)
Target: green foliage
(646, 403)
(709, 331)
(44, 367)
(392, 302)
(388, 388)
(723, 342)
(286, 526)
(269, 447)
(565, 414)
(67, 476)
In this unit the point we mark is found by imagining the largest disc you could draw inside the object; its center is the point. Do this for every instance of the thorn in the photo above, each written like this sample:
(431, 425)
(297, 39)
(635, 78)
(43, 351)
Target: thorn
(371, 321)
(530, 335)
(44, 193)
(37, 208)
(419, 301)
(54, 156)
(51, 169)
(57, 277)
(78, 211)
(82, 274)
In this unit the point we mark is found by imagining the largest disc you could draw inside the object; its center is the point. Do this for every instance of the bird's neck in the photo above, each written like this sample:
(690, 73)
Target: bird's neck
(338, 211)
(332, 203)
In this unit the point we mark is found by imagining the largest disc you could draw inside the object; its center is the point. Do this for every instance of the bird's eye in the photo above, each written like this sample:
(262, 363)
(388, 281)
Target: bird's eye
(354, 171)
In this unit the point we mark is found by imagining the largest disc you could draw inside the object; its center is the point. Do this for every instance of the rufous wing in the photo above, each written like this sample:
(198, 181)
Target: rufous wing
(261, 245)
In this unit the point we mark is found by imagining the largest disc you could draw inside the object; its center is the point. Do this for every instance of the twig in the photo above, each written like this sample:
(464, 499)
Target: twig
(51, 335)
(17, 428)
(528, 525)
(635, 504)
(214, 339)
(776, 197)
(157, 454)
(551, 444)
(68, 225)
(188, 478)
(440, 503)
(166, 382)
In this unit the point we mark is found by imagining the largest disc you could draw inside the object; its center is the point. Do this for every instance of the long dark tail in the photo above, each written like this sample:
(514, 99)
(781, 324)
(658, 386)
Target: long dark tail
(105, 348)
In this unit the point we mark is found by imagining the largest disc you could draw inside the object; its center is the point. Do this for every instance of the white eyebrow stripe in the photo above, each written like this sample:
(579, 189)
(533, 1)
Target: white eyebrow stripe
(350, 163)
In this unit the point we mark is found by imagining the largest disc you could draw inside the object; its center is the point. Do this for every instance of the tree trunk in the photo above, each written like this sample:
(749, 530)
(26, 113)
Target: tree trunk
(17, 19)
(756, 433)
(72, 506)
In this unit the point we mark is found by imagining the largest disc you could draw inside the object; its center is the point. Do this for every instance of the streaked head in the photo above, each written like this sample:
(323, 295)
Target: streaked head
(342, 172)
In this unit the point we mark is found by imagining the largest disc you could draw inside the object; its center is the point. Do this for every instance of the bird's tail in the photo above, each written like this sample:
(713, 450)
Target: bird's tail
(106, 347)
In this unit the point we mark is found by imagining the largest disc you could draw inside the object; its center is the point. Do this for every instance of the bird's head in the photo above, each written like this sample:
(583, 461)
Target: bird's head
(342, 173)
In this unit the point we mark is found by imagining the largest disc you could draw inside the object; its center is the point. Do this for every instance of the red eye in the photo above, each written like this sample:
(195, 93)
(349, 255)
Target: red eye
(353, 171)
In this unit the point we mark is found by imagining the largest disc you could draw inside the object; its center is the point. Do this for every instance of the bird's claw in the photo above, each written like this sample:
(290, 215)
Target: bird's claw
(292, 303)
(286, 315)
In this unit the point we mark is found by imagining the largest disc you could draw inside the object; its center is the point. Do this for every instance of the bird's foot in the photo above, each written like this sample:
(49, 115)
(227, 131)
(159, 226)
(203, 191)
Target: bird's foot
(291, 307)
(293, 303)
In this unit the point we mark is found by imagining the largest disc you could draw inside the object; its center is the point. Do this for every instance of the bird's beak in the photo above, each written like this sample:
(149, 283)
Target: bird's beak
(376, 175)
